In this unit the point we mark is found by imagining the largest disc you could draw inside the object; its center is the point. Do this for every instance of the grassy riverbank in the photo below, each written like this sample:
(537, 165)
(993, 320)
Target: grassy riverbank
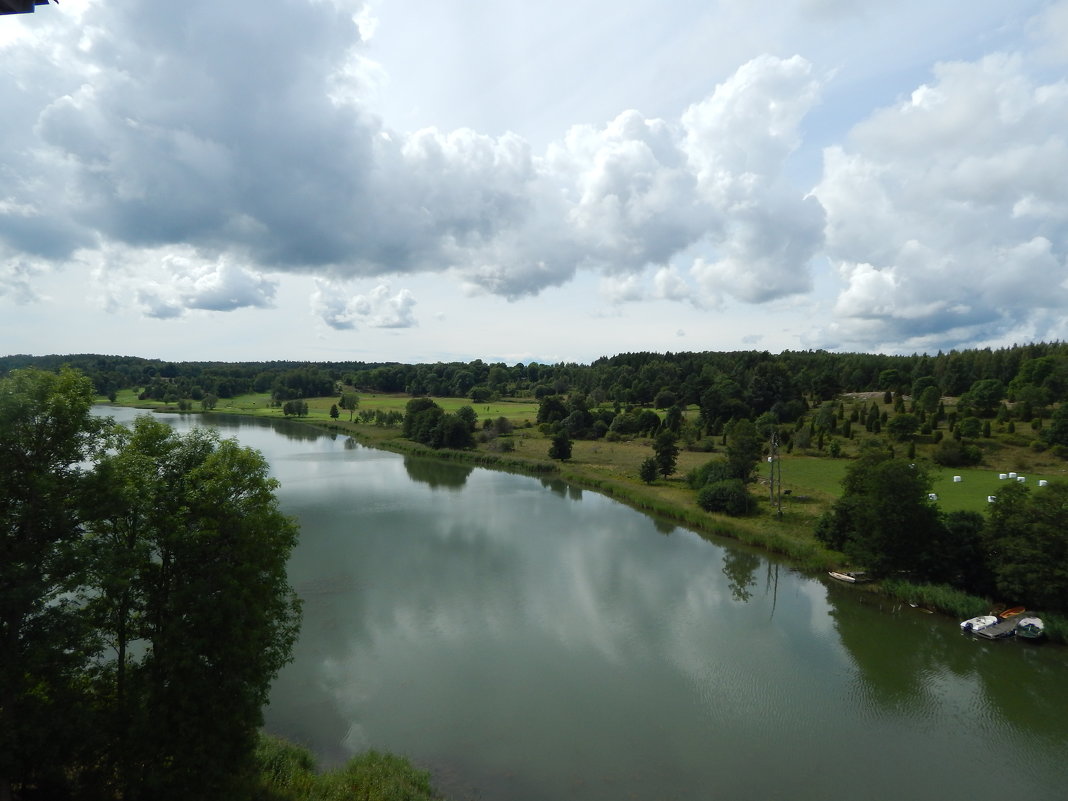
(611, 468)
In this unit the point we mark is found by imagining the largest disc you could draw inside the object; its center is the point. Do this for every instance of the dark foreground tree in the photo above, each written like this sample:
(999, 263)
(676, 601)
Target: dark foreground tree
(191, 552)
(144, 606)
(46, 430)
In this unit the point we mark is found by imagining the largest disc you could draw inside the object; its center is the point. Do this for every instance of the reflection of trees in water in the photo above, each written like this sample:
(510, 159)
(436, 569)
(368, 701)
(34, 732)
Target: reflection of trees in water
(436, 472)
(298, 432)
(906, 659)
(663, 525)
(562, 488)
(893, 655)
(740, 569)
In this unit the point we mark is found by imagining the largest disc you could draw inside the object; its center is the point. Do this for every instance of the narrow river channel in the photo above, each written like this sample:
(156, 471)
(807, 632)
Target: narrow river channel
(528, 641)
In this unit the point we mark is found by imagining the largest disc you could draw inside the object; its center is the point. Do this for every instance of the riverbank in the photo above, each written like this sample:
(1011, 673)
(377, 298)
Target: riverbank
(611, 469)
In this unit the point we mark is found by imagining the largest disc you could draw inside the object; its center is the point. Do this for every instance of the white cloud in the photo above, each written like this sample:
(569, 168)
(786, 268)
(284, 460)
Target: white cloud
(946, 212)
(380, 308)
(258, 145)
(191, 157)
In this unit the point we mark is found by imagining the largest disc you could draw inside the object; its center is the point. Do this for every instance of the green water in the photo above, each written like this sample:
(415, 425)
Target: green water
(527, 641)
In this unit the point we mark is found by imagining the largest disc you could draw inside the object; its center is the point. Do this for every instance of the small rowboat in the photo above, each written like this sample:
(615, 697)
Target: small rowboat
(978, 623)
(848, 577)
(1030, 628)
(1016, 610)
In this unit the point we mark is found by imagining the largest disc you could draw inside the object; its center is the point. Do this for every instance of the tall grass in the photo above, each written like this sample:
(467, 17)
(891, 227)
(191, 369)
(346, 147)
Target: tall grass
(288, 773)
(937, 597)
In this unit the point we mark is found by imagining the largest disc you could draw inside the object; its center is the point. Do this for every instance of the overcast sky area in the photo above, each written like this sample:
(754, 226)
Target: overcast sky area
(446, 180)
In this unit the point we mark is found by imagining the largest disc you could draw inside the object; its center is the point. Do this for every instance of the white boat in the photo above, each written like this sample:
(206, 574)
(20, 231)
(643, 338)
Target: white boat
(978, 623)
(848, 577)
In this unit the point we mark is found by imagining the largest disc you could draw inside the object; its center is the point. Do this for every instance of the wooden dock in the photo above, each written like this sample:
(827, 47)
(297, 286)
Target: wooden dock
(1004, 628)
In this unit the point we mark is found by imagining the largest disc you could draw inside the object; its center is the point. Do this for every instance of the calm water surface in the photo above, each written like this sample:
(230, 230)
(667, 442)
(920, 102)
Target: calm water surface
(528, 641)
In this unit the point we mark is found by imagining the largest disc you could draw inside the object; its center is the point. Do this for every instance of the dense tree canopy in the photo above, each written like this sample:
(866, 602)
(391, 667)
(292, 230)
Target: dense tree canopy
(885, 518)
(145, 606)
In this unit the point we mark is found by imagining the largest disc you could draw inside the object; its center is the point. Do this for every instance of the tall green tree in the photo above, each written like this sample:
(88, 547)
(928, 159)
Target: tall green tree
(744, 447)
(46, 431)
(1026, 534)
(349, 401)
(885, 519)
(191, 554)
(666, 453)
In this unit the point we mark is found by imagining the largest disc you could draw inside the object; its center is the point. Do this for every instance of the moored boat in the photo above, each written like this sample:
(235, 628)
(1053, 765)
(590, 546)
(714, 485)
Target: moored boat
(850, 577)
(1013, 612)
(978, 623)
(1030, 628)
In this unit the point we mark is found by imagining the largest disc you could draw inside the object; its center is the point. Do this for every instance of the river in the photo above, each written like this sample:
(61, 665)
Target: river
(525, 640)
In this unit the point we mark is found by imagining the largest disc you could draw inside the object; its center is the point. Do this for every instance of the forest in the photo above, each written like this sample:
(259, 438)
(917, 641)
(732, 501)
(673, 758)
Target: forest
(725, 384)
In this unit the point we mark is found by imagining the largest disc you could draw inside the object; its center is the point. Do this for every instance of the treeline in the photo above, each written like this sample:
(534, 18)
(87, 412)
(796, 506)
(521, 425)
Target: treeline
(144, 603)
(729, 384)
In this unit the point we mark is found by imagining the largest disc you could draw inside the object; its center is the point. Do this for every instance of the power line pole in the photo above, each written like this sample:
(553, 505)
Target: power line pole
(776, 473)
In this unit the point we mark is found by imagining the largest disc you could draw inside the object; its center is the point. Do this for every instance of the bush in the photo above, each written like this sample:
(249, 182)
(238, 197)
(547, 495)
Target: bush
(953, 453)
(728, 496)
(708, 473)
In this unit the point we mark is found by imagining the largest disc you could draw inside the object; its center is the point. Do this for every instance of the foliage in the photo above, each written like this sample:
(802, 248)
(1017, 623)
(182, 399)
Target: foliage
(743, 449)
(1026, 532)
(953, 453)
(902, 426)
(666, 453)
(1057, 431)
(648, 471)
(350, 402)
(288, 773)
(560, 447)
(708, 473)
(299, 408)
(142, 536)
(46, 430)
(884, 518)
(727, 495)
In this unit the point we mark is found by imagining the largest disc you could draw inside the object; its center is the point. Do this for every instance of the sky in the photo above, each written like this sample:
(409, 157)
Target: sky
(450, 180)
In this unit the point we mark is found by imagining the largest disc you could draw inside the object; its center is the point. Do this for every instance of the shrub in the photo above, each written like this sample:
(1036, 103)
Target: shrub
(708, 473)
(728, 496)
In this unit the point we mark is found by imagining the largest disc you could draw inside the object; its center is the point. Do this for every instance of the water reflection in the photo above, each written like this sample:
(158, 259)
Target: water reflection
(560, 487)
(740, 569)
(922, 665)
(437, 473)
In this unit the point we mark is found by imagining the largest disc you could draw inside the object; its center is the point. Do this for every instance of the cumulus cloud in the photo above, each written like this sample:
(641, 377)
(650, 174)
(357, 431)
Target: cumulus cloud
(380, 308)
(946, 213)
(191, 151)
(248, 135)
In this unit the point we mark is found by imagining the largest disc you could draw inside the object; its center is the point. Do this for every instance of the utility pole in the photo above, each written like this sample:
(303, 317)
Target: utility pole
(776, 473)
